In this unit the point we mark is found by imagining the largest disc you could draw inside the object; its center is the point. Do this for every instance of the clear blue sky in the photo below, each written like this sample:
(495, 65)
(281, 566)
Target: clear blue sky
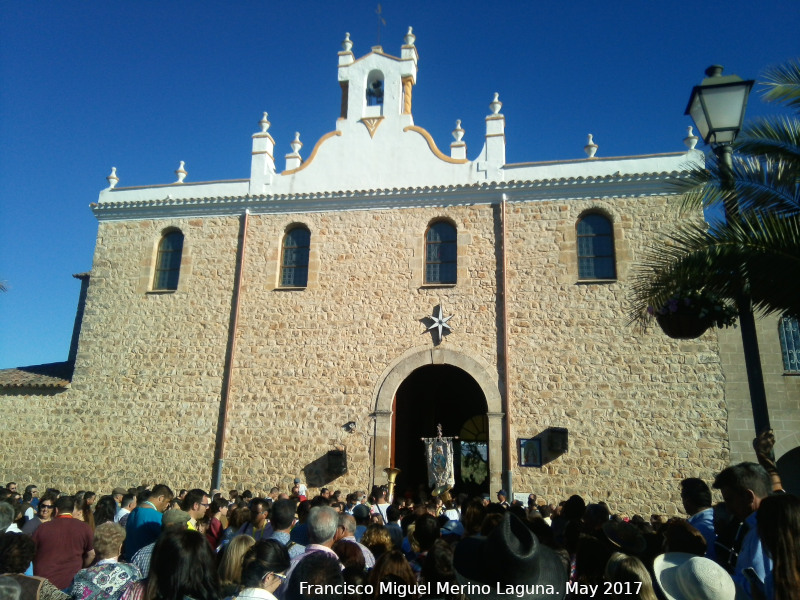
(88, 85)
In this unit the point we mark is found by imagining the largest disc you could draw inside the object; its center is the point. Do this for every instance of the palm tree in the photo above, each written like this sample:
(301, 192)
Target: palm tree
(755, 249)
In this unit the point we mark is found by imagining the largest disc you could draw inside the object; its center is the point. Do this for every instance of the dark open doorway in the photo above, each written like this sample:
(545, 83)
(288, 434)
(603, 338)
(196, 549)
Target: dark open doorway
(448, 395)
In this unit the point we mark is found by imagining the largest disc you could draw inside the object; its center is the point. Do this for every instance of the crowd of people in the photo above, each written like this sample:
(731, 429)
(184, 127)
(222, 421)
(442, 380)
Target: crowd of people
(150, 543)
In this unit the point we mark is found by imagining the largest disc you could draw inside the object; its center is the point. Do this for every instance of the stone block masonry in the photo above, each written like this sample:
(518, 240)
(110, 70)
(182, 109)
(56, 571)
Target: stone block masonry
(643, 411)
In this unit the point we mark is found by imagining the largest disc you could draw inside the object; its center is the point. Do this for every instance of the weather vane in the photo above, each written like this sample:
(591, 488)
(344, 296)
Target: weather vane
(381, 21)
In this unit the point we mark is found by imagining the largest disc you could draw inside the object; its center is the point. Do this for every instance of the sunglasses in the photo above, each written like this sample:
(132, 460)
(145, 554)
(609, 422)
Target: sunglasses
(280, 576)
(47, 506)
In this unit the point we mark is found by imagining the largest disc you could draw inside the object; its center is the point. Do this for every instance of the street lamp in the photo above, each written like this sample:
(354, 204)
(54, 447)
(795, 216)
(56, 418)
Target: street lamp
(717, 108)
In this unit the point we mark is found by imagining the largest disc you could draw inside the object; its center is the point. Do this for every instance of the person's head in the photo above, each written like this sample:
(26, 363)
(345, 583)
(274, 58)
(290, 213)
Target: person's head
(7, 515)
(230, 567)
(117, 493)
(218, 507)
(472, 516)
(392, 565)
(196, 503)
(778, 519)
(347, 525)
(438, 564)
(259, 511)
(502, 496)
(264, 565)
(238, 516)
(32, 490)
(680, 536)
(128, 502)
(393, 514)
(108, 538)
(46, 509)
(16, 552)
(65, 505)
(322, 524)
(105, 510)
(89, 498)
(11, 486)
(160, 497)
(377, 539)
(743, 487)
(426, 531)
(695, 495)
(183, 565)
(282, 515)
(629, 569)
(361, 514)
(316, 569)
(350, 554)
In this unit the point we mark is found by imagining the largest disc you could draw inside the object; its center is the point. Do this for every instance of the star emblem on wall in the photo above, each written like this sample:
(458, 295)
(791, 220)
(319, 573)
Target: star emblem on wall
(439, 323)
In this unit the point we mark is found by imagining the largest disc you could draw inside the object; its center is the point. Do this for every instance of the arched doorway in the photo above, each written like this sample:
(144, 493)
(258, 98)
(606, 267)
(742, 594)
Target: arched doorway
(467, 364)
(446, 395)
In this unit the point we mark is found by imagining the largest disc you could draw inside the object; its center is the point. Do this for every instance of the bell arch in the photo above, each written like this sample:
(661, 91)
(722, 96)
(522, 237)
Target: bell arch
(401, 368)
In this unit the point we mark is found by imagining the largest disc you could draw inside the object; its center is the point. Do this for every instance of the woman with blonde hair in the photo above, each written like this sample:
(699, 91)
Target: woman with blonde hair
(230, 566)
(629, 578)
(377, 539)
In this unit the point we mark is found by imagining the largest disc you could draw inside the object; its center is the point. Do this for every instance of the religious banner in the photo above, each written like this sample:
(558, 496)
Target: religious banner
(439, 455)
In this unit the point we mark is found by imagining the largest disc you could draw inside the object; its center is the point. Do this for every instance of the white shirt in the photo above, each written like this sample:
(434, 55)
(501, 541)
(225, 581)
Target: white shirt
(121, 513)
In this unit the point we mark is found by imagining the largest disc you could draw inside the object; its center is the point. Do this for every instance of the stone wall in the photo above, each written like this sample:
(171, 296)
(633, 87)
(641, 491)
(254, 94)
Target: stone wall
(642, 410)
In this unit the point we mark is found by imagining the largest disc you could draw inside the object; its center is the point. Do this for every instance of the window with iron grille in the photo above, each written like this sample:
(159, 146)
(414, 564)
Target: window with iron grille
(168, 262)
(440, 253)
(294, 263)
(789, 332)
(595, 236)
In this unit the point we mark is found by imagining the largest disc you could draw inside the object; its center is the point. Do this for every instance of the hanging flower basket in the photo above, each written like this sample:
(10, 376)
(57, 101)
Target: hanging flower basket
(683, 326)
(688, 314)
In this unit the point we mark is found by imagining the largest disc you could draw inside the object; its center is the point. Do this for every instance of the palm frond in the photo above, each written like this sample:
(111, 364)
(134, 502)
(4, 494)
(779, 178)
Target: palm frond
(759, 254)
(756, 184)
(776, 136)
(782, 83)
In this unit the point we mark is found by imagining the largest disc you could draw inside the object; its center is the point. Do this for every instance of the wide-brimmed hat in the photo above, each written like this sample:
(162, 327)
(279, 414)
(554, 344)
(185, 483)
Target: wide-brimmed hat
(683, 576)
(508, 562)
(625, 536)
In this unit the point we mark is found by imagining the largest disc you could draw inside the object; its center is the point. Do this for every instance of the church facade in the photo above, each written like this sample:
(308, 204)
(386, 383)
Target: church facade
(318, 320)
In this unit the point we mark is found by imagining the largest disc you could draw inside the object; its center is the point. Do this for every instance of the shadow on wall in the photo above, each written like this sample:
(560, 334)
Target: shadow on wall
(326, 468)
(544, 447)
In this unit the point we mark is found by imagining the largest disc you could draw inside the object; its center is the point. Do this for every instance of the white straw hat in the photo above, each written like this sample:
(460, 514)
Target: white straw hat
(683, 576)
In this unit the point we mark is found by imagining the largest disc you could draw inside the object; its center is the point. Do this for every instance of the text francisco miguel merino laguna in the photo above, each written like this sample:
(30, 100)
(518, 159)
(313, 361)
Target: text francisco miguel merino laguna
(401, 590)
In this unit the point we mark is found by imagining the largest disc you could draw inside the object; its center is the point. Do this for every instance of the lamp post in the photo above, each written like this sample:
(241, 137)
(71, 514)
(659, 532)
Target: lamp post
(717, 108)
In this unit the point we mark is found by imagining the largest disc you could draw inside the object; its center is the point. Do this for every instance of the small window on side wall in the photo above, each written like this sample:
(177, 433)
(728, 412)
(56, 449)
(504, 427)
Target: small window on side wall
(294, 263)
(789, 333)
(168, 262)
(441, 254)
(595, 236)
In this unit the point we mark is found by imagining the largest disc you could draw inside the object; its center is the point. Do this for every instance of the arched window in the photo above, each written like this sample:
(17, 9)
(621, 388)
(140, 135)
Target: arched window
(294, 264)
(789, 333)
(168, 261)
(440, 253)
(595, 248)
(375, 89)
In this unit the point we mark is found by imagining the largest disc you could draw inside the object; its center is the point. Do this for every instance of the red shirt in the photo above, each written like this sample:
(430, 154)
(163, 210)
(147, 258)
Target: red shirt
(61, 546)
